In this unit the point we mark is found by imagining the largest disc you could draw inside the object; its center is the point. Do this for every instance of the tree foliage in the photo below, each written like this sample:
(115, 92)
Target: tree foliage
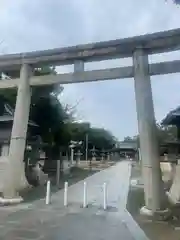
(164, 134)
(101, 138)
(176, 1)
(57, 126)
(97, 137)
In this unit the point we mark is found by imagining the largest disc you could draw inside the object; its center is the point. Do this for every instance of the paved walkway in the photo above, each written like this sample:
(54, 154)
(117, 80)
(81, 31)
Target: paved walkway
(37, 221)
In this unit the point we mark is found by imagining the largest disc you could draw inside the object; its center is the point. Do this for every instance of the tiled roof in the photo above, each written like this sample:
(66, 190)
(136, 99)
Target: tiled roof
(8, 115)
(172, 118)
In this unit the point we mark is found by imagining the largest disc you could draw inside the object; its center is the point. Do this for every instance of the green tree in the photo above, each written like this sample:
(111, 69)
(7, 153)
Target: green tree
(57, 127)
(176, 2)
(101, 138)
(46, 110)
(164, 134)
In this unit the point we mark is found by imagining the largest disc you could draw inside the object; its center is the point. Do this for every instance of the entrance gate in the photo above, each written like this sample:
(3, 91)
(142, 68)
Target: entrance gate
(21, 67)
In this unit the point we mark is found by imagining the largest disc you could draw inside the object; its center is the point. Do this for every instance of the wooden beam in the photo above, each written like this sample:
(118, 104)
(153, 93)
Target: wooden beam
(68, 78)
(94, 75)
(9, 83)
(164, 67)
(152, 43)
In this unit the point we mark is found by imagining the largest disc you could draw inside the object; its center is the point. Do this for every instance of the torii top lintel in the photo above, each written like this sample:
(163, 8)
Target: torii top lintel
(152, 43)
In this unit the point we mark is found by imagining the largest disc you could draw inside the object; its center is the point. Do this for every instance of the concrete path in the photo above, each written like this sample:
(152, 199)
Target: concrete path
(38, 221)
(117, 179)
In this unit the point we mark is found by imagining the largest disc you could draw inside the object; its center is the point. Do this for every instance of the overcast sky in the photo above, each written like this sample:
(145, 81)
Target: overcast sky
(41, 24)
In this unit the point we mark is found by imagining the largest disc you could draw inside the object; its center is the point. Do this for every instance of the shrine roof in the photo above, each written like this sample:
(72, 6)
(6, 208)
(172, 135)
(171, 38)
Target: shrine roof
(172, 118)
(7, 113)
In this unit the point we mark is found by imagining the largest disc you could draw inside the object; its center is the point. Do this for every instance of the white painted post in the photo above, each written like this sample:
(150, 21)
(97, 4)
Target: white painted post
(78, 161)
(65, 194)
(105, 196)
(139, 152)
(48, 192)
(85, 195)
(108, 157)
(86, 148)
(72, 155)
(58, 172)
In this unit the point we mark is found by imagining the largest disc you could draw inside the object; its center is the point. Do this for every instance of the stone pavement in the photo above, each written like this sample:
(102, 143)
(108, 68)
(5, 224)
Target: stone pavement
(38, 221)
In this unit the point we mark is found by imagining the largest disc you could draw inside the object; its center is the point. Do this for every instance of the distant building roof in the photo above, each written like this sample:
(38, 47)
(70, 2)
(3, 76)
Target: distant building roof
(172, 118)
(10, 119)
(128, 145)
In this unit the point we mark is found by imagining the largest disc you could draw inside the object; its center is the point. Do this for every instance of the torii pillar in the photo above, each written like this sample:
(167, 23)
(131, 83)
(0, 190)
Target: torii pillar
(153, 185)
(16, 173)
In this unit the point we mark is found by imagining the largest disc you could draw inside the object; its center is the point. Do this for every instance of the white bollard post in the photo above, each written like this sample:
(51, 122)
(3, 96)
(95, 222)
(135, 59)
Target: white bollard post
(140, 157)
(105, 196)
(65, 194)
(48, 192)
(85, 195)
(72, 156)
(58, 172)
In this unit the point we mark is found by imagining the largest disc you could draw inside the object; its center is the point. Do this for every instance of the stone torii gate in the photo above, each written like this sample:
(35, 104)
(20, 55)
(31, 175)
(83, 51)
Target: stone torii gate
(138, 48)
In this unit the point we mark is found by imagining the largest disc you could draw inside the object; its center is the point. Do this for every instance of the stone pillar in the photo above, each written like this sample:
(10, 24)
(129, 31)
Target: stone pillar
(16, 179)
(153, 188)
